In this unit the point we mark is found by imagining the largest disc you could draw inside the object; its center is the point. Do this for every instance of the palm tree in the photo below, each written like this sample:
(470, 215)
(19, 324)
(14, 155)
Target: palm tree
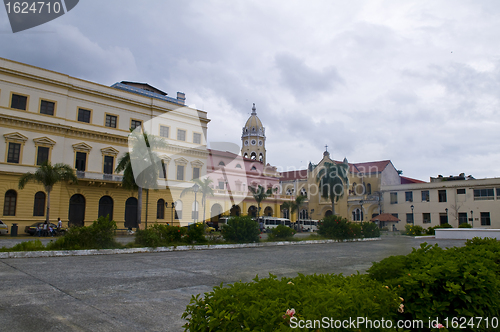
(259, 194)
(295, 205)
(141, 165)
(204, 187)
(48, 175)
(332, 179)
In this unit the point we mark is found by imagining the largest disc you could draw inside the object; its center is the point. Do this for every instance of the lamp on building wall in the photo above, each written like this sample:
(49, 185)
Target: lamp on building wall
(195, 189)
(412, 215)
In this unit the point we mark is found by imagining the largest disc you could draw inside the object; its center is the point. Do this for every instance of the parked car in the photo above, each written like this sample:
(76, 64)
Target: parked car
(4, 229)
(31, 230)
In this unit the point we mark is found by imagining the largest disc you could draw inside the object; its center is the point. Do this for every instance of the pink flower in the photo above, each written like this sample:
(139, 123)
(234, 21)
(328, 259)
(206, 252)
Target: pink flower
(289, 313)
(439, 326)
(401, 308)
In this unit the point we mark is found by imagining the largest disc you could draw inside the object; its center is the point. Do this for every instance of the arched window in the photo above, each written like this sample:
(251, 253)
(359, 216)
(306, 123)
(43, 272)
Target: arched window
(261, 157)
(39, 206)
(303, 214)
(252, 211)
(253, 168)
(221, 163)
(106, 207)
(160, 209)
(10, 202)
(268, 211)
(238, 166)
(253, 156)
(178, 209)
(285, 214)
(246, 155)
(368, 189)
(357, 215)
(195, 208)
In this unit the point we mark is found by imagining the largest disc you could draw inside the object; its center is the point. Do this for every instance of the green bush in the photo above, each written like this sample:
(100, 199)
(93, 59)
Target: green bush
(370, 229)
(159, 235)
(414, 230)
(241, 229)
(195, 233)
(432, 230)
(33, 245)
(281, 232)
(261, 305)
(338, 228)
(465, 225)
(437, 283)
(100, 235)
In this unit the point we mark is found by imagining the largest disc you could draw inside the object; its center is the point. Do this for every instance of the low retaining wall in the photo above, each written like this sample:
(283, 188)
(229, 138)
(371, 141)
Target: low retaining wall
(59, 253)
(466, 233)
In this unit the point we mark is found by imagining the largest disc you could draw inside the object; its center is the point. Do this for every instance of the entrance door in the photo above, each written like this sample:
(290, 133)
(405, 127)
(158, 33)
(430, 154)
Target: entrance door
(76, 213)
(131, 213)
(106, 207)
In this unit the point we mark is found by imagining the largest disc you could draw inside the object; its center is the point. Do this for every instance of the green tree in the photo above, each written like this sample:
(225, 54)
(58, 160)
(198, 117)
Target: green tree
(48, 175)
(204, 188)
(260, 194)
(333, 179)
(295, 205)
(147, 164)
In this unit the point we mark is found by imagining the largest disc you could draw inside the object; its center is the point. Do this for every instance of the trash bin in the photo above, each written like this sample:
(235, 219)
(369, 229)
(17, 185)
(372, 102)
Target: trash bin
(13, 230)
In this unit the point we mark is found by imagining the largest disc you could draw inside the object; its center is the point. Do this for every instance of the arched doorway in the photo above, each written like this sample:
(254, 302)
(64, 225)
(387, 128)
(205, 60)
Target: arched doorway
(131, 213)
(268, 211)
(215, 212)
(252, 211)
(106, 207)
(76, 213)
(328, 213)
(235, 211)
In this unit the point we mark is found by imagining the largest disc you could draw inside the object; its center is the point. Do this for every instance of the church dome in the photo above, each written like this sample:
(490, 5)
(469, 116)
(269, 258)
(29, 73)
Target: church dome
(253, 126)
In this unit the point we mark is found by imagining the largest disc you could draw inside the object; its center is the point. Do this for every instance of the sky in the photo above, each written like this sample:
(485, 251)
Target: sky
(416, 82)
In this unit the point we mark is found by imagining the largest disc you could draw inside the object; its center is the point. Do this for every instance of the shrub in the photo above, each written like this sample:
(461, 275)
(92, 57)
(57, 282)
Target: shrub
(195, 233)
(241, 229)
(100, 235)
(281, 232)
(432, 230)
(159, 235)
(370, 229)
(437, 283)
(338, 228)
(464, 225)
(261, 305)
(414, 230)
(33, 245)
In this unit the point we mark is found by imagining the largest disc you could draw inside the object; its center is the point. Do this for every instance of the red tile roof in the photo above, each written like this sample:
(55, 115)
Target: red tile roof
(385, 217)
(406, 180)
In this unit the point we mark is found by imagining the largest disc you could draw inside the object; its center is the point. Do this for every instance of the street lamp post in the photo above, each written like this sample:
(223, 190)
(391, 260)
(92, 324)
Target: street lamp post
(412, 215)
(362, 214)
(173, 207)
(195, 189)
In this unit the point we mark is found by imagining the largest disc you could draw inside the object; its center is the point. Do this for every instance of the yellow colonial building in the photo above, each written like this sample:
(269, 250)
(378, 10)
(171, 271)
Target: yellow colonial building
(49, 116)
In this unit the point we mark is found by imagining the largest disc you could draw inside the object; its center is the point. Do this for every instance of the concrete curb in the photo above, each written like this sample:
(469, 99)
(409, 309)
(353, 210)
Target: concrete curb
(64, 253)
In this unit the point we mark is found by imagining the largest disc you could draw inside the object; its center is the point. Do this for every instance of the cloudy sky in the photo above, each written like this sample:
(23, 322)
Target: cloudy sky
(416, 82)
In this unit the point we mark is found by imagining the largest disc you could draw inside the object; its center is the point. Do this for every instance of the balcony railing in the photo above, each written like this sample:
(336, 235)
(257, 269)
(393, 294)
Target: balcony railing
(98, 176)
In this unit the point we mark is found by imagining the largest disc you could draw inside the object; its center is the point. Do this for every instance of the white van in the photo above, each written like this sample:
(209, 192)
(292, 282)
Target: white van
(308, 225)
(273, 222)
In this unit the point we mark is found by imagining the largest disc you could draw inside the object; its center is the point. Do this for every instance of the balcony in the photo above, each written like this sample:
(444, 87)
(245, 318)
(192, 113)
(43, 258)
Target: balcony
(82, 175)
(365, 198)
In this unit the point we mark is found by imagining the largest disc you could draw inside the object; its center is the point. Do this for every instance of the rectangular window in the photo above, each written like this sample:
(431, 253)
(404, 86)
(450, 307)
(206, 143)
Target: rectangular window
(394, 198)
(484, 194)
(196, 173)
(425, 196)
(221, 185)
(485, 219)
(81, 161)
(47, 107)
(197, 138)
(409, 218)
(135, 123)
(108, 164)
(111, 120)
(42, 155)
(498, 193)
(426, 218)
(442, 195)
(164, 131)
(163, 170)
(181, 135)
(409, 196)
(461, 191)
(462, 218)
(180, 172)
(14, 154)
(83, 115)
(19, 102)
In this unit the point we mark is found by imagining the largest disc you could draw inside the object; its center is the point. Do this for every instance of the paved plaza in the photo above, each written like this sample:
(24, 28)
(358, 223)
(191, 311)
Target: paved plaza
(149, 292)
